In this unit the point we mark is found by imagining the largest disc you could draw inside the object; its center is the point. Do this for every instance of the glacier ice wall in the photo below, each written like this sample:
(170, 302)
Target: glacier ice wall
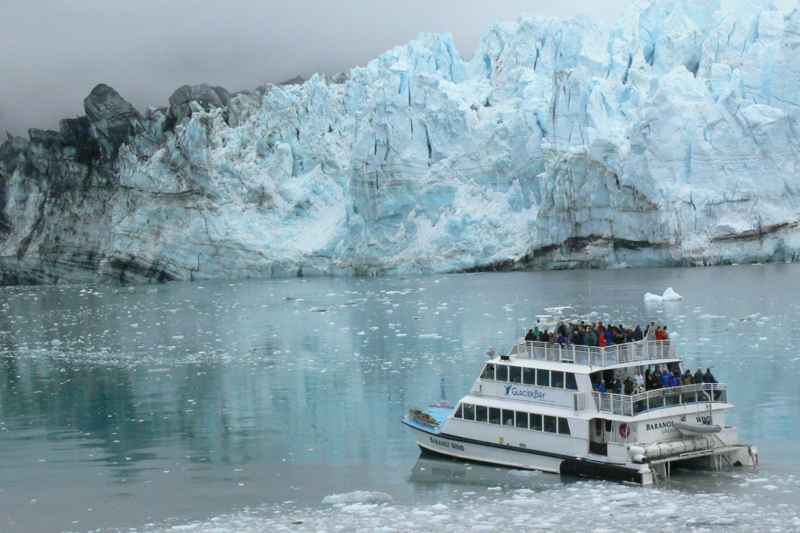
(668, 139)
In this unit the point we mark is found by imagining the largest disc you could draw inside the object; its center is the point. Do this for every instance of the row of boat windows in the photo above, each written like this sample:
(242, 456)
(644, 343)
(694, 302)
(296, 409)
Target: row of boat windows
(508, 417)
(530, 376)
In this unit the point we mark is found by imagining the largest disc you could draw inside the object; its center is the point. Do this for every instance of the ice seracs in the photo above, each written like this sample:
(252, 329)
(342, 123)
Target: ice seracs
(668, 139)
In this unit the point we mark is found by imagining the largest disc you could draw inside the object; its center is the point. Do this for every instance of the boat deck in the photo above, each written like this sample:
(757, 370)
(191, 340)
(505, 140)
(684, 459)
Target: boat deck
(440, 414)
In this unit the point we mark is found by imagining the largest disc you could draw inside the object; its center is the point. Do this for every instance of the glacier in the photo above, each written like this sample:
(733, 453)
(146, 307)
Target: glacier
(669, 138)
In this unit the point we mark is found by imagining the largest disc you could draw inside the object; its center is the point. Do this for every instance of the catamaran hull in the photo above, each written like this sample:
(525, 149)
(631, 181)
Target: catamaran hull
(525, 459)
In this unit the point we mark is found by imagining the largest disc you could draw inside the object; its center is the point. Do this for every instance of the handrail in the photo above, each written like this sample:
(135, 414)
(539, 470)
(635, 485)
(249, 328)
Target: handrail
(600, 356)
(631, 405)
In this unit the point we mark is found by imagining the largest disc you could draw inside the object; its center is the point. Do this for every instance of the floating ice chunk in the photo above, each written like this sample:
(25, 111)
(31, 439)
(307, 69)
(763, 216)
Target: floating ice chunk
(650, 298)
(358, 496)
(670, 295)
(558, 309)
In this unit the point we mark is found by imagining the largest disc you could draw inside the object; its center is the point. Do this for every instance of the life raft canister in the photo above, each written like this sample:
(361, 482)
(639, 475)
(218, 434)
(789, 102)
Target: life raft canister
(624, 431)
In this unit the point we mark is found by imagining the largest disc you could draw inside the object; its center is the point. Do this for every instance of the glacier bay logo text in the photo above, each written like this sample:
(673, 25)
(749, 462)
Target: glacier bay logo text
(533, 394)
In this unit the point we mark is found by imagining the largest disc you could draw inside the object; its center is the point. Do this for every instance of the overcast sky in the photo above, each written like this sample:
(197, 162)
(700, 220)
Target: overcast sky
(52, 52)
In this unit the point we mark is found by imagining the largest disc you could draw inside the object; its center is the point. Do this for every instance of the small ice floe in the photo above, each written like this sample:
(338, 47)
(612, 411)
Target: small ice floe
(669, 296)
(358, 496)
(557, 309)
(650, 298)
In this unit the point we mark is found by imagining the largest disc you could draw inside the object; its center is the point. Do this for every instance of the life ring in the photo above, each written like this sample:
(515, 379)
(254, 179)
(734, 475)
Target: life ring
(624, 431)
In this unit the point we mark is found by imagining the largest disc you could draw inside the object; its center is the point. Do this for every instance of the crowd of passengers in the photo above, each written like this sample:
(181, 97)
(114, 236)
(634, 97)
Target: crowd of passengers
(654, 377)
(599, 334)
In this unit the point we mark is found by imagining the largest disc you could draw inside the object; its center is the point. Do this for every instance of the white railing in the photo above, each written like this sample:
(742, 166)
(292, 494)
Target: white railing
(599, 356)
(622, 404)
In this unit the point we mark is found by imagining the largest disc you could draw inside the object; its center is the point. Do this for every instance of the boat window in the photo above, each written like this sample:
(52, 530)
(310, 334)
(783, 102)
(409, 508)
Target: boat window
(494, 415)
(557, 379)
(529, 376)
(502, 373)
(550, 424)
(457, 414)
(563, 426)
(469, 411)
(480, 413)
(543, 378)
(522, 420)
(508, 417)
(536, 422)
(488, 371)
(571, 384)
(515, 374)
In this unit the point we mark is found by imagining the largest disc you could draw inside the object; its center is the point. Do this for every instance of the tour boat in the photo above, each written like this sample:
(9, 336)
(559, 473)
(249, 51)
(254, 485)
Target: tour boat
(536, 409)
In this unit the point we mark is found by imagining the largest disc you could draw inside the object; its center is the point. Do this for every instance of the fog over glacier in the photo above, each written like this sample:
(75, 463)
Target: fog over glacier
(147, 49)
(668, 139)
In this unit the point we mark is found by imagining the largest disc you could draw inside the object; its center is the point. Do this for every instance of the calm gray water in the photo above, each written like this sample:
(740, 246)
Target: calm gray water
(242, 406)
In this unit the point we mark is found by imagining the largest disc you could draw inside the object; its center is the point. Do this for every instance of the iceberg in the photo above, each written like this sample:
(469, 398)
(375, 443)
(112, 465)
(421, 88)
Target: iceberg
(650, 298)
(669, 295)
(668, 139)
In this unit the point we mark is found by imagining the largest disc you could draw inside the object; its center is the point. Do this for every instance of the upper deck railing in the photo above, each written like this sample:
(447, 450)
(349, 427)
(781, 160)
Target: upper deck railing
(595, 356)
(621, 404)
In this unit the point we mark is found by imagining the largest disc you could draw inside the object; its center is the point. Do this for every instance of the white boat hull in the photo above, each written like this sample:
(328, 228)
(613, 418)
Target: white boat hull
(511, 457)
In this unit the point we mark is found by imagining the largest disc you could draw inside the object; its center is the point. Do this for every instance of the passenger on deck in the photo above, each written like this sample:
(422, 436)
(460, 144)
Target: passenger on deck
(687, 378)
(675, 380)
(655, 379)
(600, 387)
(639, 383)
(637, 333)
(628, 385)
(530, 336)
(666, 379)
(591, 336)
(708, 377)
(601, 340)
(698, 376)
(650, 334)
(609, 337)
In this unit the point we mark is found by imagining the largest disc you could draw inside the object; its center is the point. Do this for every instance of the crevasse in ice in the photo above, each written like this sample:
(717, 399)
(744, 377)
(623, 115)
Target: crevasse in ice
(669, 138)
